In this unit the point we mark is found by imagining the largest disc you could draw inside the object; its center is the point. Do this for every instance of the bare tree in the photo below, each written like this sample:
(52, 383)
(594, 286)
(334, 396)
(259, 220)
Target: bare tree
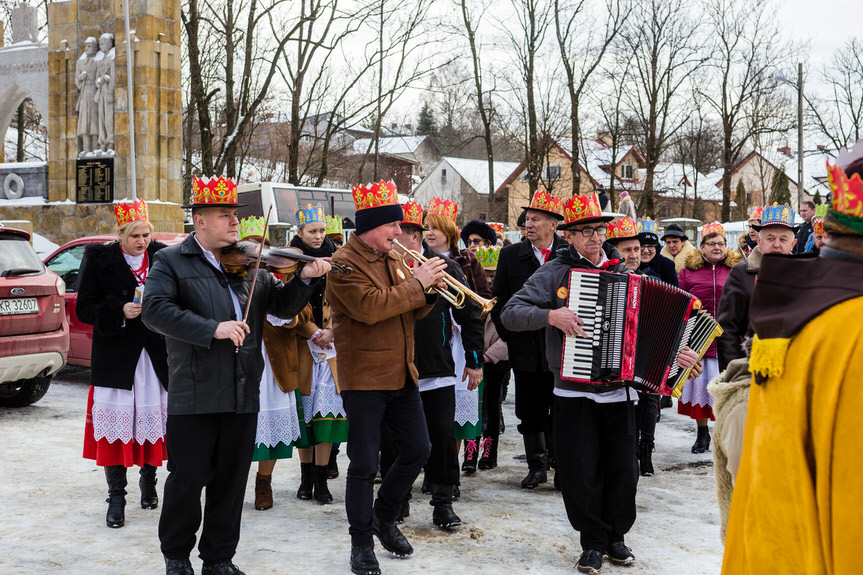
(839, 115)
(581, 51)
(747, 49)
(661, 36)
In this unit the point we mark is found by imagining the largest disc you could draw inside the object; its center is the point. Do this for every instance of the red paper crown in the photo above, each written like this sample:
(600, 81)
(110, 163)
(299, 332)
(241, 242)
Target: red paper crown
(818, 226)
(134, 212)
(580, 208)
(756, 215)
(847, 192)
(714, 228)
(445, 208)
(375, 195)
(544, 201)
(213, 191)
(622, 228)
(413, 214)
(496, 226)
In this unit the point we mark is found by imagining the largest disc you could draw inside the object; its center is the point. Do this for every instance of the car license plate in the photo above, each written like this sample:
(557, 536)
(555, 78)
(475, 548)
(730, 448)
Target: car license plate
(18, 305)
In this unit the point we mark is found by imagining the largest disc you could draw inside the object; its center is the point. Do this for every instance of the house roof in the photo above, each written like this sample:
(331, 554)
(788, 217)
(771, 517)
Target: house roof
(669, 180)
(395, 145)
(475, 172)
(521, 165)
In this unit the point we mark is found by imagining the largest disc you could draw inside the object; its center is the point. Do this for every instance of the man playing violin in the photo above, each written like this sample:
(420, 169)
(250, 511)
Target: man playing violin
(374, 309)
(215, 367)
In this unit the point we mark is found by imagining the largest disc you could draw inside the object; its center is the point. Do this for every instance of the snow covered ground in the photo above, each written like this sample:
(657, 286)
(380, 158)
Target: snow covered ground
(53, 518)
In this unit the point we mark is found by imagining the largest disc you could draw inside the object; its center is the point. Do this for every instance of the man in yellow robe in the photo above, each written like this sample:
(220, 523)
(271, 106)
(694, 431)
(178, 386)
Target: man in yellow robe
(796, 506)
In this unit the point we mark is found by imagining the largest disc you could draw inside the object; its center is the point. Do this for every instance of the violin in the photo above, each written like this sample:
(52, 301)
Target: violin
(238, 258)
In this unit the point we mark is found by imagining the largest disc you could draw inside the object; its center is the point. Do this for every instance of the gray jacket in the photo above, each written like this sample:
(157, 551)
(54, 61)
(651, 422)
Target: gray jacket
(185, 300)
(528, 308)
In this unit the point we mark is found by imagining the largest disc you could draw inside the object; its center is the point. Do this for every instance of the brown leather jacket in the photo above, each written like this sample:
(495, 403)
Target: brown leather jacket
(374, 309)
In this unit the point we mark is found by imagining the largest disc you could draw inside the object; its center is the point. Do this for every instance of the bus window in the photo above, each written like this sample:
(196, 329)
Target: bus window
(286, 204)
(253, 207)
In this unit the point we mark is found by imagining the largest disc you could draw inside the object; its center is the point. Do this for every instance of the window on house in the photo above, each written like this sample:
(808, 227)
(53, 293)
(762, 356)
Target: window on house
(443, 175)
(551, 172)
(628, 172)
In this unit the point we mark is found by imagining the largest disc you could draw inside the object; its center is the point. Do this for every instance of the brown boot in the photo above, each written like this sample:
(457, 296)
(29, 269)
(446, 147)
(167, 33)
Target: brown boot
(263, 491)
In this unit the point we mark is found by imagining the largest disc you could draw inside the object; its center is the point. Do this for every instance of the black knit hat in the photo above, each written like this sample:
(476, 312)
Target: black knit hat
(648, 239)
(479, 228)
(522, 219)
(370, 218)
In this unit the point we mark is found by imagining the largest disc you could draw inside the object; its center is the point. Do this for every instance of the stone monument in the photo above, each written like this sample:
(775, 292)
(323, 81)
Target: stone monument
(106, 72)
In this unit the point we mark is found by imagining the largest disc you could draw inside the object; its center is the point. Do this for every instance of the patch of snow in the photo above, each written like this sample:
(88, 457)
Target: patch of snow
(43, 246)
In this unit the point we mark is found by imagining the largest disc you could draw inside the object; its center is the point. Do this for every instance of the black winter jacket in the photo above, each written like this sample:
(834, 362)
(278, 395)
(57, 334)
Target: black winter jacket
(515, 265)
(433, 354)
(106, 284)
(663, 268)
(733, 311)
(185, 300)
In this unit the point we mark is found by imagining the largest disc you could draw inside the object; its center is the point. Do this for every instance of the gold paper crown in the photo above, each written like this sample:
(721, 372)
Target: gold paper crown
(714, 228)
(333, 225)
(622, 228)
(413, 214)
(213, 191)
(445, 208)
(488, 256)
(252, 226)
(131, 212)
(544, 201)
(375, 195)
(310, 214)
(579, 208)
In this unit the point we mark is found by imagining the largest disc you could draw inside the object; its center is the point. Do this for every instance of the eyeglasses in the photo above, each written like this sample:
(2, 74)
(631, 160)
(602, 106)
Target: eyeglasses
(648, 248)
(475, 241)
(715, 245)
(588, 232)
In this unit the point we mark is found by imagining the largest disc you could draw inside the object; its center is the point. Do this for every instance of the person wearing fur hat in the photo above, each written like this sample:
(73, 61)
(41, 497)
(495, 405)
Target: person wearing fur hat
(775, 236)
(796, 501)
(704, 277)
(476, 234)
(627, 206)
(677, 247)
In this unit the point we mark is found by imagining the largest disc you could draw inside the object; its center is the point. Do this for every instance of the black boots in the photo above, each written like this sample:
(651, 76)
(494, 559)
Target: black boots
(115, 475)
(178, 567)
(147, 484)
(443, 516)
(263, 491)
(537, 460)
(471, 456)
(391, 538)
(488, 453)
(645, 461)
(363, 560)
(307, 480)
(322, 492)
(702, 441)
(333, 465)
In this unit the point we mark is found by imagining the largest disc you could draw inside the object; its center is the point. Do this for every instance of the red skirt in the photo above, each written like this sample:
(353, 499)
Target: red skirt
(117, 452)
(695, 411)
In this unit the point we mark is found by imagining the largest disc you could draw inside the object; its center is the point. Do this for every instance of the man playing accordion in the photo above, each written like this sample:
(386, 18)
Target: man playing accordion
(594, 431)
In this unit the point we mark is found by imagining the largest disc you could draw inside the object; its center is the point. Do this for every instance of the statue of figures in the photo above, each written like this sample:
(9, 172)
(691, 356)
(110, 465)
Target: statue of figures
(105, 83)
(85, 79)
(24, 23)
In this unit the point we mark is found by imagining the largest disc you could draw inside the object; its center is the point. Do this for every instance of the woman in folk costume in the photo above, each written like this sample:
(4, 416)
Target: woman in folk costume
(127, 405)
(279, 429)
(704, 277)
(325, 416)
(442, 236)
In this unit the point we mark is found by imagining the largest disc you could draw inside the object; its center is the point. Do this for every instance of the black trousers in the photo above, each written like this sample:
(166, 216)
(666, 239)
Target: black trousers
(598, 471)
(212, 451)
(401, 412)
(534, 395)
(495, 375)
(439, 406)
(645, 417)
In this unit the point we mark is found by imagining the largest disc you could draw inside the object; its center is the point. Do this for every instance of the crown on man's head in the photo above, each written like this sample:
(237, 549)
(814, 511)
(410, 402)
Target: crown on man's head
(712, 228)
(646, 226)
(126, 212)
(310, 214)
(777, 215)
(821, 210)
(413, 214)
(846, 205)
(375, 195)
(497, 227)
(253, 226)
(818, 226)
(622, 228)
(578, 208)
(333, 225)
(544, 201)
(445, 208)
(213, 191)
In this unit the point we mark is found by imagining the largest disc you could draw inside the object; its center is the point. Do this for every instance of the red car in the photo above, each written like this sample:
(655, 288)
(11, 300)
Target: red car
(34, 333)
(66, 262)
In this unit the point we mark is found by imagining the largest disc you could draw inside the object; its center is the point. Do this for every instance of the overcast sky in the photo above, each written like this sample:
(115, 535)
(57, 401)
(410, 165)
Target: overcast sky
(826, 24)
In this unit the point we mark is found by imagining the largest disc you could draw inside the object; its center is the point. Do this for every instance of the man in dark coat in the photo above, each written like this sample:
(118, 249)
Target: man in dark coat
(534, 383)
(653, 262)
(807, 211)
(215, 366)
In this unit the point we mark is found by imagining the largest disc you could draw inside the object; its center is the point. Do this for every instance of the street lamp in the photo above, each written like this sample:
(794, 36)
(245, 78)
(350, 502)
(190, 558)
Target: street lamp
(799, 86)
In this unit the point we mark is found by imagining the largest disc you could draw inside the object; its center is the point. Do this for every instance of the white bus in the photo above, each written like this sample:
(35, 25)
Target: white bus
(286, 199)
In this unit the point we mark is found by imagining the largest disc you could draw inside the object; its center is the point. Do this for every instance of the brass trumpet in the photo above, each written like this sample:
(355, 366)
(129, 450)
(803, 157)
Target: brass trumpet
(455, 291)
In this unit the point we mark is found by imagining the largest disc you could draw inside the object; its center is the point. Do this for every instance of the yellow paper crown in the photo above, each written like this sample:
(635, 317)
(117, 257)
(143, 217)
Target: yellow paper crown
(544, 201)
(131, 212)
(413, 214)
(445, 208)
(375, 195)
(622, 228)
(714, 228)
(213, 191)
(333, 225)
(252, 226)
(580, 208)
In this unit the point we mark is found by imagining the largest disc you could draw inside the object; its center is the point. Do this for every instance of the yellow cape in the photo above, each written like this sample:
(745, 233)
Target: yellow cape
(798, 500)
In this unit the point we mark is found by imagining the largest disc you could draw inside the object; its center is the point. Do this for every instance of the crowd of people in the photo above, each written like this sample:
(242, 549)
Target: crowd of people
(384, 344)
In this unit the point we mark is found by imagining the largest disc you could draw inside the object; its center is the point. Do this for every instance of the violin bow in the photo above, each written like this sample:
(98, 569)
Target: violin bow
(257, 267)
